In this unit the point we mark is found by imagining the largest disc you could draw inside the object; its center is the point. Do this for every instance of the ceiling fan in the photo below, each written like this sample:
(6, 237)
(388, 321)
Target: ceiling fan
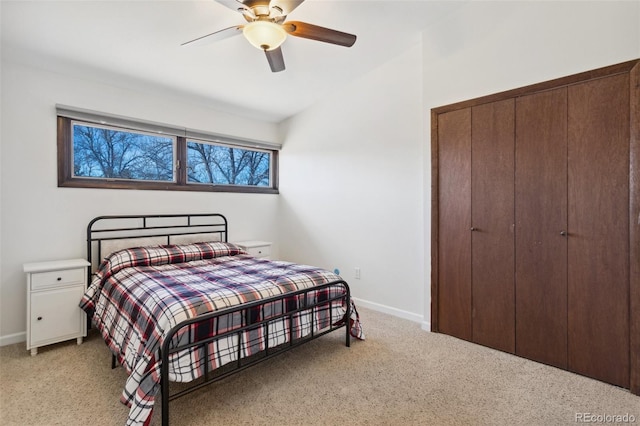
(267, 29)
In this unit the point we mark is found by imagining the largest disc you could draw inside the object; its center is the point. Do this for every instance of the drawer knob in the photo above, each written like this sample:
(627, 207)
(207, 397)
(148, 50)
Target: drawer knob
(39, 318)
(59, 278)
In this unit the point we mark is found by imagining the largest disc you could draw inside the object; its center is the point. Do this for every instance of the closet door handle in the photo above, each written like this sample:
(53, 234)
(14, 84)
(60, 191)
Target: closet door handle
(473, 229)
(563, 233)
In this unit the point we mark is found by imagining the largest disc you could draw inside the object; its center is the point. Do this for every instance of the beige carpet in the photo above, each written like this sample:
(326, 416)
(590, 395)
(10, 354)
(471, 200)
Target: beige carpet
(400, 375)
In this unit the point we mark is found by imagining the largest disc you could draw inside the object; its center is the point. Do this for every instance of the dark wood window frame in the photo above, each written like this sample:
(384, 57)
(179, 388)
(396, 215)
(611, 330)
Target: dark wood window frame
(66, 178)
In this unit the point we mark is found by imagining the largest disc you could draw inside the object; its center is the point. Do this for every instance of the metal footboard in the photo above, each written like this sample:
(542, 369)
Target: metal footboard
(245, 311)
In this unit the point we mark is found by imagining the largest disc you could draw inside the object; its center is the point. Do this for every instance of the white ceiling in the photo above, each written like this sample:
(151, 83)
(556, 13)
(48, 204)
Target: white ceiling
(137, 44)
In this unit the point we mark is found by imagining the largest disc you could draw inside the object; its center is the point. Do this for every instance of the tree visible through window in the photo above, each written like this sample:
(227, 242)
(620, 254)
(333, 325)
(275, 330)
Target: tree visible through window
(219, 164)
(106, 153)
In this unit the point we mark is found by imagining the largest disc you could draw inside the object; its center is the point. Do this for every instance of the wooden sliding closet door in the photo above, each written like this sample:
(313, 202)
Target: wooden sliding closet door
(492, 244)
(599, 229)
(536, 222)
(454, 236)
(541, 227)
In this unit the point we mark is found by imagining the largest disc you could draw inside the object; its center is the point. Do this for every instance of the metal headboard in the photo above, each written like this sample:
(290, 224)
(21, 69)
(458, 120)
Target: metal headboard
(162, 227)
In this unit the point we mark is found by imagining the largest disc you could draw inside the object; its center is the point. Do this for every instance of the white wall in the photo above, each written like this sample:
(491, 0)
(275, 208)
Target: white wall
(351, 189)
(490, 47)
(40, 221)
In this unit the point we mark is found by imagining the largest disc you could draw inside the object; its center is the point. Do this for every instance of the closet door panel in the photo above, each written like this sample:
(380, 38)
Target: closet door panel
(599, 229)
(541, 221)
(454, 236)
(492, 242)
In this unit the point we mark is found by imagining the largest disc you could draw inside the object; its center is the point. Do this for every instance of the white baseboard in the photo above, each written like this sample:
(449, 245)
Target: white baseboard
(13, 338)
(393, 311)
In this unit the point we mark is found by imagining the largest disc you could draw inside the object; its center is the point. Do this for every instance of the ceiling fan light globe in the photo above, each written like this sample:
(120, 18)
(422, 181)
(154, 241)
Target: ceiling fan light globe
(264, 35)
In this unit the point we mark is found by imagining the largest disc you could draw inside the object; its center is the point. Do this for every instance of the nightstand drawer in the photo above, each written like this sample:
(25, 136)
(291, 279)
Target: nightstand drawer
(262, 251)
(40, 280)
(256, 248)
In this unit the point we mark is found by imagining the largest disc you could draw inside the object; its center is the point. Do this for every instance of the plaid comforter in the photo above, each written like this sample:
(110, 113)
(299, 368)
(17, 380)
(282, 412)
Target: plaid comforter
(139, 294)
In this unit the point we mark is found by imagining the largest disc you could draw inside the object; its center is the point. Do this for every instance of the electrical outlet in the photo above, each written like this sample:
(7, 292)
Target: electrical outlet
(357, 273)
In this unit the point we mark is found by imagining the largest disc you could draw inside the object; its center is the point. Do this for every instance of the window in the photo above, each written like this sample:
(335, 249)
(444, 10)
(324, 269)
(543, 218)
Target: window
(218, 164)
(104, 151)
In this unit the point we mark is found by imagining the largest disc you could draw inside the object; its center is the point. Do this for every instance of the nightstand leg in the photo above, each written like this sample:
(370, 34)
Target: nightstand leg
(79, 340)
(34, 351)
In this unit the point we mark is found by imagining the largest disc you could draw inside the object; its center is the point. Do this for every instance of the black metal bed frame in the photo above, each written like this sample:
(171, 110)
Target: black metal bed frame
(167, 226)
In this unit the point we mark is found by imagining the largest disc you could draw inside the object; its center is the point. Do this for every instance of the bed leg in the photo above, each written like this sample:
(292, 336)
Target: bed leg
(164, 403)
(113, 361)
(347, 320)
(165, 408)
(348, 338)
(164, 385)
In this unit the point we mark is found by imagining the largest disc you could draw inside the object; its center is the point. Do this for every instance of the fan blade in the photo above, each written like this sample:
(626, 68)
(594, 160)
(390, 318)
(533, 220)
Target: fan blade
(232, 4)
(276, 60)
(216, 36)
(286, 6)
(314, 32)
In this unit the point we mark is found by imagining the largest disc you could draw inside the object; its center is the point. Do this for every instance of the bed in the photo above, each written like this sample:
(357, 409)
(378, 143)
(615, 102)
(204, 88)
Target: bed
(175, 302)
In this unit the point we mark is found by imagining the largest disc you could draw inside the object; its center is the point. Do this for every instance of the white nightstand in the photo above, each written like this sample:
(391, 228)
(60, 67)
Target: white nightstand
(54, 290)
(256, 248)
